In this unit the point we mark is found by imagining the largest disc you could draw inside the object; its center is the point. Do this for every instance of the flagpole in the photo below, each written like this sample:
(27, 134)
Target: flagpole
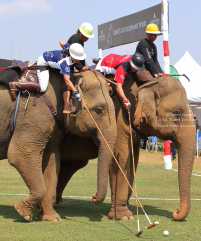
(11, 48)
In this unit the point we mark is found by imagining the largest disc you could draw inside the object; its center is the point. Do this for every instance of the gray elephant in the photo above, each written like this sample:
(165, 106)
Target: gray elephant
(159, 108)
(33, 148)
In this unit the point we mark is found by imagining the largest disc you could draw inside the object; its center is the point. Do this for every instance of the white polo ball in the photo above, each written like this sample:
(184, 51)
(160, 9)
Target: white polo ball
(166, 233)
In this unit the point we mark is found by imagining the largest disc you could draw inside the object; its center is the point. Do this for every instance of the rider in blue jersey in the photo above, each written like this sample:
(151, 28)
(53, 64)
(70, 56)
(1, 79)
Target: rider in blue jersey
(59, 59)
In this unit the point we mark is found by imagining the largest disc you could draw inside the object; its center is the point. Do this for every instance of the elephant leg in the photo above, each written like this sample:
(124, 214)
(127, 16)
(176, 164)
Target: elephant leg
(51, 165)
(67, 170)
(119, 186)
(27, 159)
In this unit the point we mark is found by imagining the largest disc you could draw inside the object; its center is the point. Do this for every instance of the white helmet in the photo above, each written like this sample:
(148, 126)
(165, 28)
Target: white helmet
(77, 51)
(87, 30)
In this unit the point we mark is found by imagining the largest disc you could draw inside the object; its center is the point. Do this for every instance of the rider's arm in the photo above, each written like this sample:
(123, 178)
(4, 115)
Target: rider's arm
(119, 78)
(69, 83)
(62, 43)
(120, 91)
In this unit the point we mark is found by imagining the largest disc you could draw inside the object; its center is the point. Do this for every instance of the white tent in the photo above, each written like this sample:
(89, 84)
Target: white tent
(188, 66)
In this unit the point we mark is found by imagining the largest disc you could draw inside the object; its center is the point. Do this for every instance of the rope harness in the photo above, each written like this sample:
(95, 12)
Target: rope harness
(5, 68)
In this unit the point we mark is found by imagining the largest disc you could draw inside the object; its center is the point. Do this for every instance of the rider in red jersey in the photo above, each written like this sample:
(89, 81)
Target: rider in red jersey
(120, 66)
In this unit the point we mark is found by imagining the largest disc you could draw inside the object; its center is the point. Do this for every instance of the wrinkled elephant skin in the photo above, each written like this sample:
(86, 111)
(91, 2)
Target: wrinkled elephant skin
(34, 146)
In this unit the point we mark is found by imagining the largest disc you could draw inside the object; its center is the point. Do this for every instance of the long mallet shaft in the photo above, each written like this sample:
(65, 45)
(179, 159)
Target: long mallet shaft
(134, 171)
(139, 231)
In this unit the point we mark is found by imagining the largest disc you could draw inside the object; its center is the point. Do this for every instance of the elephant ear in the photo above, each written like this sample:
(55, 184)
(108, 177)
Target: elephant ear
(147, 101)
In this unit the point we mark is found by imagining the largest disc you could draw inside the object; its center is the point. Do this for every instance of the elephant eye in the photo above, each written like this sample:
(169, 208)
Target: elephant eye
(177, 113)
(97, 110)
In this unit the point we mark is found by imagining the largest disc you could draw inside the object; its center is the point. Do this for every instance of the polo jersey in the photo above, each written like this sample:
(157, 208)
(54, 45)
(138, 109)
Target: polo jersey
(54, 60)
(120, 63)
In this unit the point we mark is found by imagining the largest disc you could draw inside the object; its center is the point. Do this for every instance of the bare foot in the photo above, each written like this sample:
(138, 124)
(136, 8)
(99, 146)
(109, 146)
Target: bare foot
(68, 111)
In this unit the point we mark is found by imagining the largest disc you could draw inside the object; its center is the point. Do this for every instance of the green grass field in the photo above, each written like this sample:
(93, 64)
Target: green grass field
(83, 220)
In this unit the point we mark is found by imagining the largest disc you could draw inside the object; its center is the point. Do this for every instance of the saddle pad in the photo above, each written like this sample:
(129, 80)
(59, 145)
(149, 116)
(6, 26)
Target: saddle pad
(9, 74)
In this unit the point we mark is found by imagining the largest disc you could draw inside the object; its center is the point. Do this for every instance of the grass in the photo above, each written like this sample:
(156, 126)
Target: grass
(83, 220)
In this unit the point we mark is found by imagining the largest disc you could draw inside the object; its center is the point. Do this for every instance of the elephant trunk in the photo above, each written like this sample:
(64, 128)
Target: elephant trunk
(104, 161)
(186, 154)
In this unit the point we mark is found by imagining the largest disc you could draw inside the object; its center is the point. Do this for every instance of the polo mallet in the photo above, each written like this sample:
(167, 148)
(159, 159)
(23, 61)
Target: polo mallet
(134, 172)
(180, 75)
(151, 225)
(174, 72)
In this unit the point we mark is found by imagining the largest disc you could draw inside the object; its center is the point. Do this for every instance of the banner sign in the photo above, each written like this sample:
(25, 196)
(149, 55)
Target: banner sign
(128, 29)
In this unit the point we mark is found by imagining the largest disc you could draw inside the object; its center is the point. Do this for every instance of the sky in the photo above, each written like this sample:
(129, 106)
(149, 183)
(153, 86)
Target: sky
(31, 27)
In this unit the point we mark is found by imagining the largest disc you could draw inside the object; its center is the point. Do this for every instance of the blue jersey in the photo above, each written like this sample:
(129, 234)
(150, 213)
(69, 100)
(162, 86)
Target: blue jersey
(54, 60)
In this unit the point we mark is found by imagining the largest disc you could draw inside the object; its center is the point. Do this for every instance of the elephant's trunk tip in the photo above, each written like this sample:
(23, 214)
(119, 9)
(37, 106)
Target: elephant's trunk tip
(97, 200)
(179, 216)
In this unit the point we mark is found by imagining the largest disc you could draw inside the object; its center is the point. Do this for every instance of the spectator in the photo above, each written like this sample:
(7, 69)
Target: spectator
(173, 150)
(196, 123)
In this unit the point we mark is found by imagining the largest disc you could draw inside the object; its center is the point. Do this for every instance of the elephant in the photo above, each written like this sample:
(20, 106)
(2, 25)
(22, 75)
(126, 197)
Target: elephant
(33, 147)
(158, 108)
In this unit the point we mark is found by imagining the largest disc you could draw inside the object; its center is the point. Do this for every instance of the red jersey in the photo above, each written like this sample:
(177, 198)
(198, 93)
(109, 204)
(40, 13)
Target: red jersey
(120, 63)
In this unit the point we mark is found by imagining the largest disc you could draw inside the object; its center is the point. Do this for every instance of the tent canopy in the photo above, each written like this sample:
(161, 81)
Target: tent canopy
(188, 66)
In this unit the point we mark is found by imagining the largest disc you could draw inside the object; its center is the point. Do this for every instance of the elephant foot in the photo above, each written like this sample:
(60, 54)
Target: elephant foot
(121, 213)
(59, 200)
(24, 209)
(51, 216)
(125, 218)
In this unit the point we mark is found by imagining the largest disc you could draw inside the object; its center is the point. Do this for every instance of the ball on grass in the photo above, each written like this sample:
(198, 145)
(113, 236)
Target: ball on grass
(166, 233)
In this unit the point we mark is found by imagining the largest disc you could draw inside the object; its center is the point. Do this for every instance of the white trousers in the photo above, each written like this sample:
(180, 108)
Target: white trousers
(105, 69)
(43, 76)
